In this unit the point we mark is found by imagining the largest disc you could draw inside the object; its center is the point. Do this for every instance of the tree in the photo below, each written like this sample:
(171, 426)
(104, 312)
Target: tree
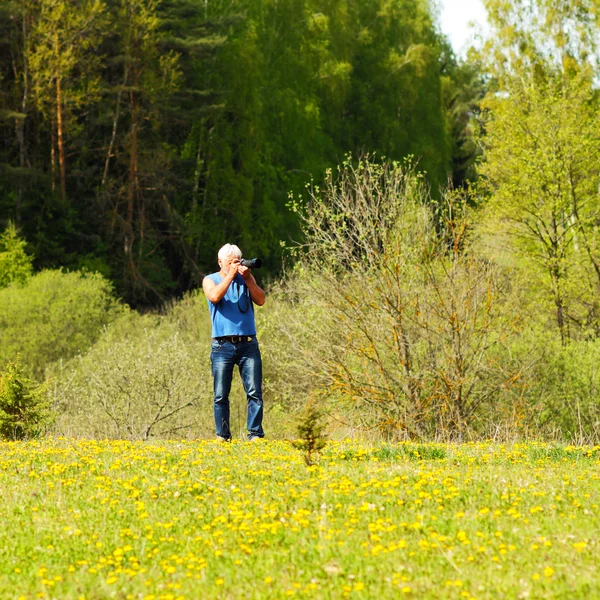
(138, 135)
(16, 20)
(64, 67)
(15, 264)
(25, 406)
(404, 314)
(541, 35)
(541, 144)
(311, 434)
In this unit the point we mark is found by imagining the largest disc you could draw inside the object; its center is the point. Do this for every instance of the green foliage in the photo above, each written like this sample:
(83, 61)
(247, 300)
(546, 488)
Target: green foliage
(405, 322)
(15, 263)
(564, 386)
(146, 376)
(190, 122)
(59, 57)
(54, 315)
(540, 36)
(311, 433)
(542, 145)
(463, 88)
(25, 406)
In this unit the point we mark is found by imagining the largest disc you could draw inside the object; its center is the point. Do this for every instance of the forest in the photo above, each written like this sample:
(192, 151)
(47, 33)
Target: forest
(138, 135)
(429, 225)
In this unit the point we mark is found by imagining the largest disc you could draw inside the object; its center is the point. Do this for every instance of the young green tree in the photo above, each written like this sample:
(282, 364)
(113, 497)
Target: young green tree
(541, 144)
(541, 153)
(15, 264)
(311, 433)
(541, 35)
(25, 406)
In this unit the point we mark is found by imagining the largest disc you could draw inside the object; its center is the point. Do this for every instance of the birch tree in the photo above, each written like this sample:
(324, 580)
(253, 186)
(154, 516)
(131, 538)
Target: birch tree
(541, 146)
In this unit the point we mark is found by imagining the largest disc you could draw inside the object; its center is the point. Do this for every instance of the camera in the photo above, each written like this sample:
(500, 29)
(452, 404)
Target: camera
(252, 263)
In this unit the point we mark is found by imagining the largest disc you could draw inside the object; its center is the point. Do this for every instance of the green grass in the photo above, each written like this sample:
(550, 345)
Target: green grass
(201, 520)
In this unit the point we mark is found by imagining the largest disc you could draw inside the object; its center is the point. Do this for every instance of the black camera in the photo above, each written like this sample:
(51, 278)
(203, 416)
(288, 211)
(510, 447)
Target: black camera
(252, 263)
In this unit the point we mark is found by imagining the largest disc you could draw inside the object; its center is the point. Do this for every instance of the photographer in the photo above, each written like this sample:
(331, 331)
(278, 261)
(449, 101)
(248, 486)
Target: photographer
(231, 295)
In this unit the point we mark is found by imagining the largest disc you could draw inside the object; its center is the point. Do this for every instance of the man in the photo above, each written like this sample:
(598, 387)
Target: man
(231, 294)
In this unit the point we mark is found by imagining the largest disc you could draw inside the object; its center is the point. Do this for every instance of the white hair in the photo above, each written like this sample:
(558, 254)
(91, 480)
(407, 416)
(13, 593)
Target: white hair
(229, 250)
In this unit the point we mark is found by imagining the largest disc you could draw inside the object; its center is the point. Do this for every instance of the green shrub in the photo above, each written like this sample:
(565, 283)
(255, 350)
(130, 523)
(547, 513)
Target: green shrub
(392, 317)
(54, 315)
(141, 379)
(15, 264)
(25, 408)
(564, 390)
(311, 433)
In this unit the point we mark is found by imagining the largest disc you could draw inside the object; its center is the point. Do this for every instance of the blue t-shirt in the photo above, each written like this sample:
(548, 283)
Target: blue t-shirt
(234, 313)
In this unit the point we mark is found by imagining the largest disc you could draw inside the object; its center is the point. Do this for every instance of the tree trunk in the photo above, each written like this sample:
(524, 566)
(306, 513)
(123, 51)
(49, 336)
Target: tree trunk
(132, 183)
(559, 303)
(556, 277)
(53, 152)
(61, 144)
(20, 122)
(114, 130)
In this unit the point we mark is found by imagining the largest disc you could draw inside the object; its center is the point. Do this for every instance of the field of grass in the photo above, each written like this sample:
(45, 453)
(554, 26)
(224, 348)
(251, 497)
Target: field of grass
(99, 519)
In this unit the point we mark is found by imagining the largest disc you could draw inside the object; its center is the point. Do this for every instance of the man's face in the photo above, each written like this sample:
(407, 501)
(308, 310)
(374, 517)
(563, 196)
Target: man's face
(228, 262)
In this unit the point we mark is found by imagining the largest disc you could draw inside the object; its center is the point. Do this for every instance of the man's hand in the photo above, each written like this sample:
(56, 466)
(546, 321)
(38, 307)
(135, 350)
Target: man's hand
(233, 269)
(245, 272)
(215, 292)
(256, 292)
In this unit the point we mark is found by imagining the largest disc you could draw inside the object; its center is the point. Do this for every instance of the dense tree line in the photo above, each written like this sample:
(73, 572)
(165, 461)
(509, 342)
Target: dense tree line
(139, 135)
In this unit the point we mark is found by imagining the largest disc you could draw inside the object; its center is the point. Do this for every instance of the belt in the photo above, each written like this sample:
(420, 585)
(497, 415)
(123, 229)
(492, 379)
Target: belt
(234, 339)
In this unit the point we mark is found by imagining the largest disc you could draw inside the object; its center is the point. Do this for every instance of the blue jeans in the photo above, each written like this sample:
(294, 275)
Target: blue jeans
(223, 357)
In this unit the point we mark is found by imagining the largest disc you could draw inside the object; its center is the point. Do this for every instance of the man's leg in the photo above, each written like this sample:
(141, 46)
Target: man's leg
(222, 358)
(251, 372)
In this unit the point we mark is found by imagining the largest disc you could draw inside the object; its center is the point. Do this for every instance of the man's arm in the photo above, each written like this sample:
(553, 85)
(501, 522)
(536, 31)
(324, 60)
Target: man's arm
(215, 292)
(256, 292)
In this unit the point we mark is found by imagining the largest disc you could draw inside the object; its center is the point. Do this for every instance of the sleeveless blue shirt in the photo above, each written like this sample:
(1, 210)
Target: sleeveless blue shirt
(234, 313)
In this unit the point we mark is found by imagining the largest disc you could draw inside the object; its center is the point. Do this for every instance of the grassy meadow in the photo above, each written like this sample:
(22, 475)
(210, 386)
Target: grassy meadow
(169, 520)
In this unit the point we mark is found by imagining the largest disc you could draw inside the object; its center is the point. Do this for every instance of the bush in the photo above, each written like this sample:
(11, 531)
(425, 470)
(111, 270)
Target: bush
(15, 264)
(563, 389)
(147, 376)
(25, 408)
(390, 314)
(311, 433)
(54, 315)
